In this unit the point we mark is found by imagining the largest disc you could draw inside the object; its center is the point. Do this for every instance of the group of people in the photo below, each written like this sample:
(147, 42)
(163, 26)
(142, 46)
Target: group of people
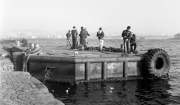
(83, 37)
(129, 39)
(74, 33)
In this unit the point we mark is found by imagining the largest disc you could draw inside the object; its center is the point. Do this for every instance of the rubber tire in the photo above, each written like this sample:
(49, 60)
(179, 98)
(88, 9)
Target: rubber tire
(157, 63)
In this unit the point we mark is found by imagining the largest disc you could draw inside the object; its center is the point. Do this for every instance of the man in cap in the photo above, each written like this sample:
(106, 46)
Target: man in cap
(126, 35)
(74, 37)
(100, 35)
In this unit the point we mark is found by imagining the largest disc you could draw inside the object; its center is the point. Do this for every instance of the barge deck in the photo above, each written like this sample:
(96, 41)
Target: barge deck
(62, 64)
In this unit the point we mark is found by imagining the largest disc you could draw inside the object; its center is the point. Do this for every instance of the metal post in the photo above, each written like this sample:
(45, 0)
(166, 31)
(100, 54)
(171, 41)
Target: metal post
(125, 68)
(103, 72)
(87, 68)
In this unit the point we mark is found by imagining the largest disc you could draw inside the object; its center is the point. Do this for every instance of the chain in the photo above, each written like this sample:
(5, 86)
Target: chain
(47, 74)
(47, 70)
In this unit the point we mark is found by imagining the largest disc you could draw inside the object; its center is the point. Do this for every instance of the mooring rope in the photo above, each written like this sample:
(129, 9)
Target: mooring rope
(26, 58)
(27, 55)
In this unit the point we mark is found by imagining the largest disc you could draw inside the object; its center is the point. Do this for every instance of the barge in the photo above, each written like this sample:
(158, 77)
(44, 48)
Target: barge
(62, 64)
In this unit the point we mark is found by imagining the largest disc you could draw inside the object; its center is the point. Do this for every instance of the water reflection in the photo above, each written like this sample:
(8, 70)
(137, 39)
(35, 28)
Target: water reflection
(141, 92)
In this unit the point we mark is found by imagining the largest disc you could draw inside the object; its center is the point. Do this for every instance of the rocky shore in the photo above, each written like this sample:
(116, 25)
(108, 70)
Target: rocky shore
(20, 88)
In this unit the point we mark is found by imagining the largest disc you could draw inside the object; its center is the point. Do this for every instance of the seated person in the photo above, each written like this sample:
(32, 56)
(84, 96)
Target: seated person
(133, 44)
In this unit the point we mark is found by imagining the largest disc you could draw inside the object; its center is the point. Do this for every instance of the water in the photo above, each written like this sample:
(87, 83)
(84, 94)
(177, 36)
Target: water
(137, 92)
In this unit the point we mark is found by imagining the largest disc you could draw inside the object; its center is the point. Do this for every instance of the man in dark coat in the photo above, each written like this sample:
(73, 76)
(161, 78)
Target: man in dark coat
(68, 35)
(80, 35)
(74, 37)
(100, 35)
(126, 35)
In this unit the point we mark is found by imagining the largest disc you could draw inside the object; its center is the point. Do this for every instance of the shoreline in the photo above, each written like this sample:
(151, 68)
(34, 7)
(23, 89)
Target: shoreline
(20, 88)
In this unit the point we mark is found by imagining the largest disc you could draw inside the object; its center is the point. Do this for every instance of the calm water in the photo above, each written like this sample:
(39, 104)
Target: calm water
(139, 92)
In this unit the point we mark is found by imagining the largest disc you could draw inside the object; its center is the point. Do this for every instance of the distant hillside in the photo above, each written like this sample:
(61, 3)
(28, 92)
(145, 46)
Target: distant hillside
(177, 35)
(43, 34)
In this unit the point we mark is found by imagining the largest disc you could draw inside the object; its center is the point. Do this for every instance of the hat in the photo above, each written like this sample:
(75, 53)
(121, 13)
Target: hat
(128, 27)
(74, 27)
(100, 28)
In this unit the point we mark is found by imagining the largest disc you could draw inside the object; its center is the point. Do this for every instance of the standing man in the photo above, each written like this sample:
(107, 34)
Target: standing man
(100, 35)
(87, 34)
(126, 35)
(74, 37)
(133, 43)
(84, 38)
(81, 35)
(68, 35)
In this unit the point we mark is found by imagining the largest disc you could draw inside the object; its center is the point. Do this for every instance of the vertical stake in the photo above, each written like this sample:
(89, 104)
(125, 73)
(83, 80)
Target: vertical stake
(125, 68)
(87, 68)
(104, 70)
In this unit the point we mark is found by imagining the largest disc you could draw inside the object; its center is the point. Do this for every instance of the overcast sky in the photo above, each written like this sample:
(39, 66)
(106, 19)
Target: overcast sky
(144, 16)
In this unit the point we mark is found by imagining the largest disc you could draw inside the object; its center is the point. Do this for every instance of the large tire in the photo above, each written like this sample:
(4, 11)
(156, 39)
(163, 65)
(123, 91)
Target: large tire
(157, 63)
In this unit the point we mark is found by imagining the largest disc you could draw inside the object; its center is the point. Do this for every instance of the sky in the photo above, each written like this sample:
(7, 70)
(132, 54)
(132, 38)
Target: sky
(152, 17)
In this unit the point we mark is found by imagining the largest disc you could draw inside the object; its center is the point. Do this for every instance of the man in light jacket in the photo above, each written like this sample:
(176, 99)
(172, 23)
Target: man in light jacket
(100, 35)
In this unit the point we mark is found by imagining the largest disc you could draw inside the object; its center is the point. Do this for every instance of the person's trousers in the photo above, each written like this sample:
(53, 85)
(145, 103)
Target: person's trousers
(74, 40)
(133, 45)
(80, 40)
(101, 42)
(68, 42)
(126, 45)
(84, 42)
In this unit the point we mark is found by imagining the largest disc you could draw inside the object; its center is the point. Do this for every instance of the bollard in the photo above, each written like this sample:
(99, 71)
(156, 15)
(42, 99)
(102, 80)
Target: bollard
(18, 43)
(36, 46)
(31, 45)
(75, 53)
